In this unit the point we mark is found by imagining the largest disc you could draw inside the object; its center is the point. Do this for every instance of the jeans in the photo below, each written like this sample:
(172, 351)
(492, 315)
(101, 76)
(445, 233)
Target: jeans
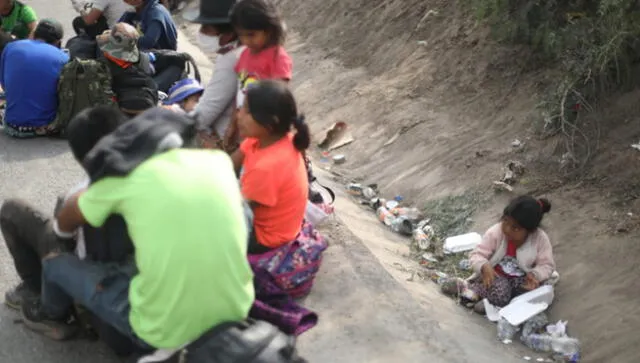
(165, 78)
(102, 288)
(23, 228)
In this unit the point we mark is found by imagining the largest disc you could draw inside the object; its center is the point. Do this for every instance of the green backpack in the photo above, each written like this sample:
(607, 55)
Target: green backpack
(83, 83)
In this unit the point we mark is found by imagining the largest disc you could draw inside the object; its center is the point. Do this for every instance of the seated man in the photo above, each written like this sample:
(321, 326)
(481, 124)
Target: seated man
(98, 16)
(215, 108)
(171, 200)
(22, 225)
(29, 73)
(131, 70)
(155, 24)
(18, 19)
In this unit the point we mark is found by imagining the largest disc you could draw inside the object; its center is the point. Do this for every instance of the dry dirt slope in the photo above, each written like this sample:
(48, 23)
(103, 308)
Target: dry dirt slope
(422, 69)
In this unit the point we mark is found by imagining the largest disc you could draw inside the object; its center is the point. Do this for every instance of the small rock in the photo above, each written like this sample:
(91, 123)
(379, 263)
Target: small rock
(339, 159)
(422, 42)
(516, 143)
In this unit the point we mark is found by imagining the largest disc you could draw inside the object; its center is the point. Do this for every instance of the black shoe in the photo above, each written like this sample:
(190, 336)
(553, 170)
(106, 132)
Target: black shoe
(37, 320)
(18, 295)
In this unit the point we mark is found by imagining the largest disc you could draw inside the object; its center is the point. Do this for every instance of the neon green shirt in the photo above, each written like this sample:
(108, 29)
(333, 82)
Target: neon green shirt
(184, 214)
(17, 22)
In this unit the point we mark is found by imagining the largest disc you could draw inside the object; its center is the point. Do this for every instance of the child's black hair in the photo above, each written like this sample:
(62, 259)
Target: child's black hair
(259, 15)
(527, 211)
(272, 105)
(89, 126)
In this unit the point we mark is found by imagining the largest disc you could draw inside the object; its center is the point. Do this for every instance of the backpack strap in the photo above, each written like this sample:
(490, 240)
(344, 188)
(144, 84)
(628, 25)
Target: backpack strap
(191, 63)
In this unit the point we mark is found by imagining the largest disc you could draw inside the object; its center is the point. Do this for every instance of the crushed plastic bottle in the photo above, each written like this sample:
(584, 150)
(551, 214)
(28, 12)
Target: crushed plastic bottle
(402, 224)
(411, 213)
(422, 235)
(385, 216)
(506, 331)
(566, 346)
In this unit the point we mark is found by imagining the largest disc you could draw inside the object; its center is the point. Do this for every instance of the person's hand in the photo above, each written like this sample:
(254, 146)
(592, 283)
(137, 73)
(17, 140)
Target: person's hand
(488, 275)
(531, 282)
(230, 138)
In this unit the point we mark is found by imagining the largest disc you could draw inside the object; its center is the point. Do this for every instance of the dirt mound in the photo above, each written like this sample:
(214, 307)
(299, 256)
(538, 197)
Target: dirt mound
(425, 79)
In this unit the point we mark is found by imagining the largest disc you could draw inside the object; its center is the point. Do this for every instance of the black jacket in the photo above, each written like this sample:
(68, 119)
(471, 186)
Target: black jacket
(134, 86)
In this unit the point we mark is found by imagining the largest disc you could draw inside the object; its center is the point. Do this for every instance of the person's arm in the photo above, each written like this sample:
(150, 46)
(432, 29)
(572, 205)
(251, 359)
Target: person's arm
(70, 217)
(487, 247)
(152, 34)
(545, 264)
(238, 158)
(30, 19)
(283, 65)
(2, 61)
(219, 92)
(94, 205)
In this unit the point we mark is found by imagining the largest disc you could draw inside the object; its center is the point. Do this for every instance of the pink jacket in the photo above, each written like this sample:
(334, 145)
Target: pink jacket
(535, 255)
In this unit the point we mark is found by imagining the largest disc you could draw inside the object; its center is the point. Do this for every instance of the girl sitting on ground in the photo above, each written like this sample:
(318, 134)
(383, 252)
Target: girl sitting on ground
(274, 182)
(259, 28)
(515, 256)
(184, 95)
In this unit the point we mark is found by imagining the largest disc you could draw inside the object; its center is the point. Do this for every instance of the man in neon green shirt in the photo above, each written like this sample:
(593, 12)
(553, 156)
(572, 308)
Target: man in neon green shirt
(183, 210)
(18, 19)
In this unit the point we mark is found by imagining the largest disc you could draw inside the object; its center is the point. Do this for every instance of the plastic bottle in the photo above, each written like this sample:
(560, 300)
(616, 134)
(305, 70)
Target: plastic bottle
(402, 225)
(385, 216)
(411, 213)
(539, 342)
(506, 331)
(422, 235)
(566, 346)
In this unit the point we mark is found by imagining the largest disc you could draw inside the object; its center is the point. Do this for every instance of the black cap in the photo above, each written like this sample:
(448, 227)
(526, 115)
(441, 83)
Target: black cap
(211, 12)
(49, 30)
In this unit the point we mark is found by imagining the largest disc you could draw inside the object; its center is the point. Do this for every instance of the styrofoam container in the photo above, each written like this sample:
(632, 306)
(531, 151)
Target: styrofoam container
(518, 312)
(462, 243)
(543, 294)
(314, 214)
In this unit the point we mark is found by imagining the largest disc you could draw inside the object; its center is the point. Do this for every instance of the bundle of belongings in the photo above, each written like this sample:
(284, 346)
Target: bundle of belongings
(271, 339)
(122, 76)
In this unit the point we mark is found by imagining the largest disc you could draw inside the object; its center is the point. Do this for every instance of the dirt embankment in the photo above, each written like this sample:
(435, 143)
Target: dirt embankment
(428, 73)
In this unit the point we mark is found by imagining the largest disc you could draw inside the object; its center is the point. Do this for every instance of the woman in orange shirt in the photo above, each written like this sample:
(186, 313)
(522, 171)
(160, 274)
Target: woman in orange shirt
(274, 178)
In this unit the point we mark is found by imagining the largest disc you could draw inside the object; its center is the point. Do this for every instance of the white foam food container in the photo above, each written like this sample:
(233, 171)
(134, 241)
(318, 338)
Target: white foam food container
(518, 312)
(462, 243)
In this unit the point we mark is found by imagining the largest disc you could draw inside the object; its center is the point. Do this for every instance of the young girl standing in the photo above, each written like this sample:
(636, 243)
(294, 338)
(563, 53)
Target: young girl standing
(259, 28)
(515, 255)
(274, 177)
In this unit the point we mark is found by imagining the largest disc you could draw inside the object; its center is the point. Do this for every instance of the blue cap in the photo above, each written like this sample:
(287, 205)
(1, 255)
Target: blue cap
(183, 89)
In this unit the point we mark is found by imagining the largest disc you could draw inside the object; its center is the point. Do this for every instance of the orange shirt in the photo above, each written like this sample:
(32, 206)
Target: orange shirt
(276, 179)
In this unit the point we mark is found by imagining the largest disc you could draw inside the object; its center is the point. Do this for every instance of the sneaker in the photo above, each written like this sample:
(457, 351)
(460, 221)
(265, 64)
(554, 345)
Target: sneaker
(19, 294)
(37, 320)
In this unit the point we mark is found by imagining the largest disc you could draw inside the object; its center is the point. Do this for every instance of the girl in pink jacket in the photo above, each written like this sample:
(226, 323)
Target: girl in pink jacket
(514, 256)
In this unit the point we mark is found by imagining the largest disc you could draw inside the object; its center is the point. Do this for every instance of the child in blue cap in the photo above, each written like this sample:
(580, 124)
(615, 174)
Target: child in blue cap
(185, 94)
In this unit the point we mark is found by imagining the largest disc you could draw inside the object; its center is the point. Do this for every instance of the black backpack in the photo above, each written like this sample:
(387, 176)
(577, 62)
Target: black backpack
(82, 47)
(250, 341)
(166, 60)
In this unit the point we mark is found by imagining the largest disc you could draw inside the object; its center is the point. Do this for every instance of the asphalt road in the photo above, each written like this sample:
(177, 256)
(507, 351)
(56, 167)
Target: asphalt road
(365, 314)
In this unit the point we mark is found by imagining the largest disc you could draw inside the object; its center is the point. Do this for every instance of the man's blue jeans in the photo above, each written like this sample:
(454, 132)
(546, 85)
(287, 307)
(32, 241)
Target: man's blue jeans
(101, 288)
